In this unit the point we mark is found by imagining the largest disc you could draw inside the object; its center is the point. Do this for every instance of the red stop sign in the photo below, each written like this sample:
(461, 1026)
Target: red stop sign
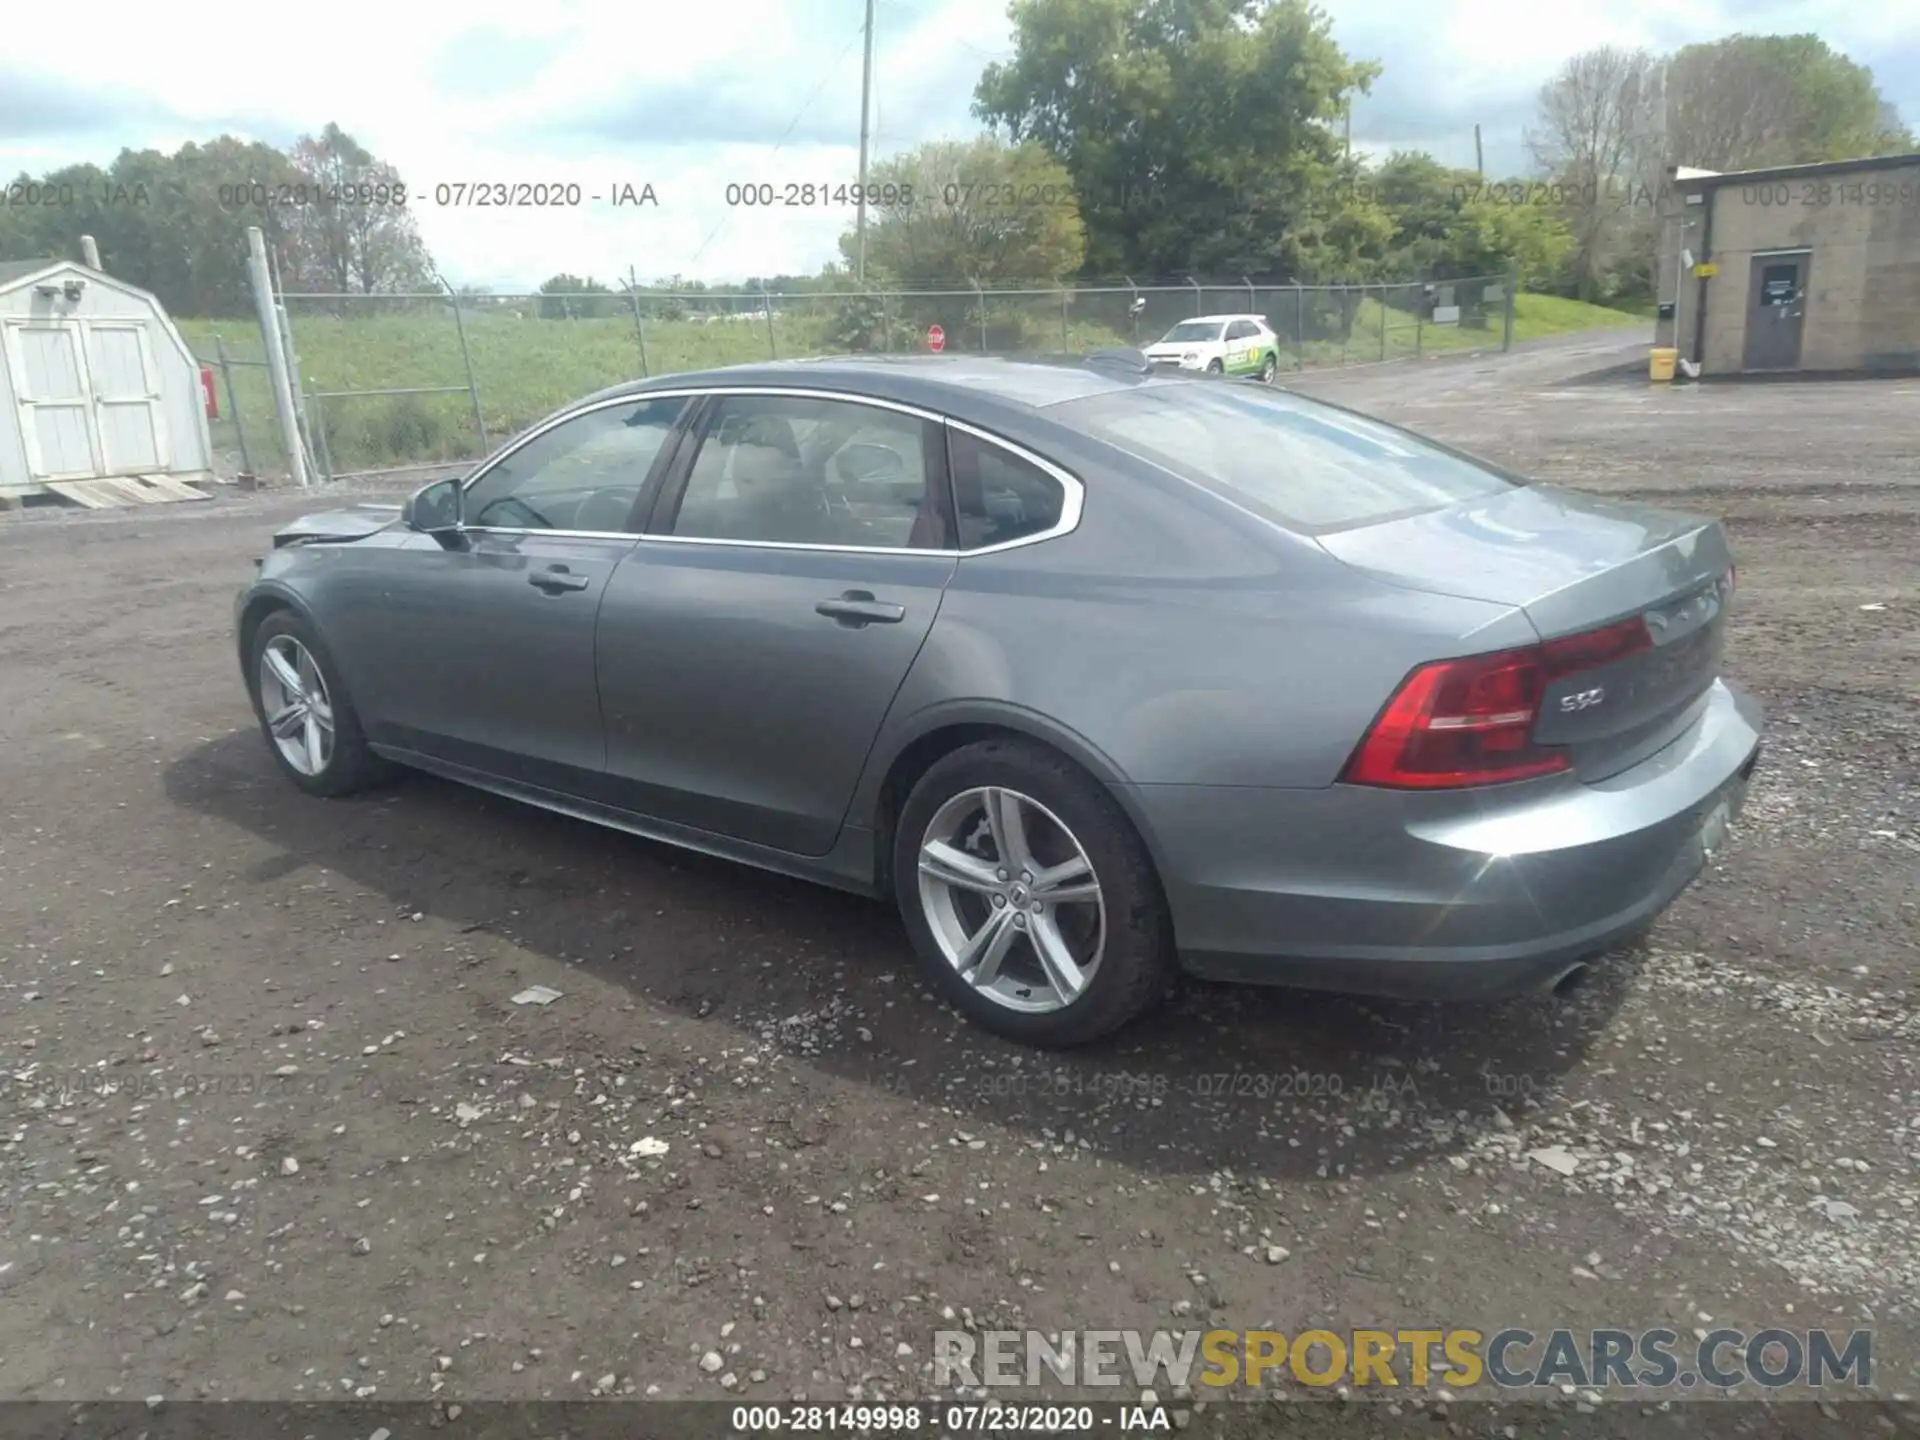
(936, 338)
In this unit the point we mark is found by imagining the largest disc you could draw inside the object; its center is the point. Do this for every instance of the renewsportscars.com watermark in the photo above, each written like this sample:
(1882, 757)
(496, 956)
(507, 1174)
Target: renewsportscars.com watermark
(1511, 1359)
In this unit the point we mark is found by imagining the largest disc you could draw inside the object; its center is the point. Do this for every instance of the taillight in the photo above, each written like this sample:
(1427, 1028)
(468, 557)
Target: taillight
(1470, 721)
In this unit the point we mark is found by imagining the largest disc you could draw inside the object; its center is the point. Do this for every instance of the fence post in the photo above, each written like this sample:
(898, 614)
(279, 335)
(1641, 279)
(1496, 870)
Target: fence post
(1251, 301)
(1383, 319)
(293, 355)
(1346, 321)
(466, 358)
(319, 428)
(1419, 320)
(766, 308)
(1199, 299)
(886, 323)
(639, 325)
(1513, 284)
(1299, 327)
(1066, 340)
(233, 404)
(980, 299)
(276, 355)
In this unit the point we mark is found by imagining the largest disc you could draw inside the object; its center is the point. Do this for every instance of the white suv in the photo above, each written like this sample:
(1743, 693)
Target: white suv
(1222, 344)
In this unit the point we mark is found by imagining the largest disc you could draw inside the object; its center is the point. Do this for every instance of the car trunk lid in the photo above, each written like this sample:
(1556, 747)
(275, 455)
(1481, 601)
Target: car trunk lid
(1577, 564)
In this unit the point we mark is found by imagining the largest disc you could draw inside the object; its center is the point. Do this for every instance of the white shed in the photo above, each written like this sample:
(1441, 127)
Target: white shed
(95, 382)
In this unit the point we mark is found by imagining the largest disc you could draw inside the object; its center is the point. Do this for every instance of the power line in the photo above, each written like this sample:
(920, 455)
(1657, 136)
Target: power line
(792, 125)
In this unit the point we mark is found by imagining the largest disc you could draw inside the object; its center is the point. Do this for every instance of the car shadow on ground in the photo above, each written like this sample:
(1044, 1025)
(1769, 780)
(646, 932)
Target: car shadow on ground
(1254, 1080)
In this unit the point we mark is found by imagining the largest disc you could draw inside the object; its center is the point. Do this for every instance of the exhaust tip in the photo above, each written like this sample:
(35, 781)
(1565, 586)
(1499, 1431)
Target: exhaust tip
(1571, 979)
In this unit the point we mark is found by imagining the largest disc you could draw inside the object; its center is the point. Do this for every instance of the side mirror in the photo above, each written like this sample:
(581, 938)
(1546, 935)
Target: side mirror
(436, 509)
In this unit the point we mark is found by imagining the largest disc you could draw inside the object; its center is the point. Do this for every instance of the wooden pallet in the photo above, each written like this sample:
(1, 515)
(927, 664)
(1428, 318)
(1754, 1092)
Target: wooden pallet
(115, 491)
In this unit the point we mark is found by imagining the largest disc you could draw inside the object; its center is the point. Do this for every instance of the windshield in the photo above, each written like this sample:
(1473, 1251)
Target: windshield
(1192, 332)
(1307, 465)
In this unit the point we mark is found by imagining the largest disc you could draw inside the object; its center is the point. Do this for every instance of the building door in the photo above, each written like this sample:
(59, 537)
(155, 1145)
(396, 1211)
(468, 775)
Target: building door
(54, 394)
(126, 397)
(1776, 311)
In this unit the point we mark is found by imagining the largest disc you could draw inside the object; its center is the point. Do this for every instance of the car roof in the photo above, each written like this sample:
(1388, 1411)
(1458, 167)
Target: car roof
(978, 388)
(1221, 319)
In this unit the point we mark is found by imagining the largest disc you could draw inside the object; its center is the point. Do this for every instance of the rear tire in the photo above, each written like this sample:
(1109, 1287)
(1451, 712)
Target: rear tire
(311, 728)
(1268, 368)
(1005, 950)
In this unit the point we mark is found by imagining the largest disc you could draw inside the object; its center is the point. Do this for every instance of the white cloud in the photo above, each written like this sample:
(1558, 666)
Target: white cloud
(600, 92)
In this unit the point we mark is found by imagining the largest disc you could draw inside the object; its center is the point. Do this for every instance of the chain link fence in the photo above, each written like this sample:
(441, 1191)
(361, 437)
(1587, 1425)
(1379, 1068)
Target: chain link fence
(387, 383)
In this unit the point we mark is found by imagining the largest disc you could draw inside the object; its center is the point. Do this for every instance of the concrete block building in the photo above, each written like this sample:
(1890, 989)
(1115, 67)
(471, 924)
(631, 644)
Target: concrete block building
(1811, 268)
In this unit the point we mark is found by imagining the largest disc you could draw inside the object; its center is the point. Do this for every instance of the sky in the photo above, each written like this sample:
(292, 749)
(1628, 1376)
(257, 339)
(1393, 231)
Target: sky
(689, 98)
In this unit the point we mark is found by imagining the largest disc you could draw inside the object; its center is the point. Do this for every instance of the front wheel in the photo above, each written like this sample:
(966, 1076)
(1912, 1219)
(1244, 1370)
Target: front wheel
(1214, 367)
(1268, 367)
(305, 713)
(1030, 899)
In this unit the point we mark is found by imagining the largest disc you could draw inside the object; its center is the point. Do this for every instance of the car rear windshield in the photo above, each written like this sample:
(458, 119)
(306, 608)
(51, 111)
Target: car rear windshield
(1192, 332)
(1311, 467)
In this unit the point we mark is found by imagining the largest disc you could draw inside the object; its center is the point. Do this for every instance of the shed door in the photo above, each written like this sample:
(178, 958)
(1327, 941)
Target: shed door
(55, 399)
(1776, 311)
(126, 397)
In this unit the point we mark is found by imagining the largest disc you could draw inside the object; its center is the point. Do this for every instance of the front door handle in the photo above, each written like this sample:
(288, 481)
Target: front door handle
(858, 607)
(556, 580)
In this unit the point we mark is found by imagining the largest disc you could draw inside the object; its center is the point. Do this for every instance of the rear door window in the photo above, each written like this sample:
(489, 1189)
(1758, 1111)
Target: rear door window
(1309, 466)
(998, 496)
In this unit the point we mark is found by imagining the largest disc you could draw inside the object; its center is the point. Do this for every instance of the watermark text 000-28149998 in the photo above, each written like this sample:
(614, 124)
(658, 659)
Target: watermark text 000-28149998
(1803, 194)
(813, 194)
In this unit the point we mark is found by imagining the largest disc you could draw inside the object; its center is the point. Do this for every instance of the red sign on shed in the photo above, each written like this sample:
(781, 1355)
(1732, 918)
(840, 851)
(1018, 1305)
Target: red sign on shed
(936, 338)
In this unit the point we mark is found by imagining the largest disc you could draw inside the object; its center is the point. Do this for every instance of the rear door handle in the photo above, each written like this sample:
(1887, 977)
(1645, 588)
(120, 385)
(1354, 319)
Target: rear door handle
(555, 581)
(858, 607)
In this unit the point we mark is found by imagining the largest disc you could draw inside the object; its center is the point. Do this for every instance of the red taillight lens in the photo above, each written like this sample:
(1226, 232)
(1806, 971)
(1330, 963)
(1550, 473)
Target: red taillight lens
(1470, 722)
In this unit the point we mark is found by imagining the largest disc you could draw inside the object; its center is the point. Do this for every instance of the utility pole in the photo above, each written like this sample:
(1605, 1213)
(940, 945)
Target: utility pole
(866, 104)
(1479, 163)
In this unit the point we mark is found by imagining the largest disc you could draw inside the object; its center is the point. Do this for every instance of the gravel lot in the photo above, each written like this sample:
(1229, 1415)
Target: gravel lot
(273, 1129)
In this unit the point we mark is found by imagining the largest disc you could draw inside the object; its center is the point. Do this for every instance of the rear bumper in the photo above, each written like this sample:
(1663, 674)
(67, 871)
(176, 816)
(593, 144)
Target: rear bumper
(1468, 895)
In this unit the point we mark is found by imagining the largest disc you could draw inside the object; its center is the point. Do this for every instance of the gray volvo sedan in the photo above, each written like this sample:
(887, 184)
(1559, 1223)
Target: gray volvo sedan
(1098, 673)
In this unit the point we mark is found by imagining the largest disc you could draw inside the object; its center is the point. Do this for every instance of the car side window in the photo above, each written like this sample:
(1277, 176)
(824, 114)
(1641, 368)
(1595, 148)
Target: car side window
(1241, 330)
(583, 474)
(997, 495)
(803, 471)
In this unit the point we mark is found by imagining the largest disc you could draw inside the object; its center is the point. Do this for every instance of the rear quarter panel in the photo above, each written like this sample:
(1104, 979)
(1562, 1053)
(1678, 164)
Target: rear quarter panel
(1181, 640)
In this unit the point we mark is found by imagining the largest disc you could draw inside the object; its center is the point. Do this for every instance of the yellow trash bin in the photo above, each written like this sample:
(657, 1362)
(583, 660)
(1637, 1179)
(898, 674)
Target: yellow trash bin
(1661, 367)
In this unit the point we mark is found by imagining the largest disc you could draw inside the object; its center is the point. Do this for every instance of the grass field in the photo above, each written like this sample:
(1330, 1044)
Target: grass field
(524, 368)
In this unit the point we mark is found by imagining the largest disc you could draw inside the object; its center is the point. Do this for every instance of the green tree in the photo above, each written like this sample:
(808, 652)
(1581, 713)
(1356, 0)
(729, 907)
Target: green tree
(1199, 133)
(354, 233)
(177, 224)
(971, 211)
(1747, 101)
(1450, 224)
(575, 297)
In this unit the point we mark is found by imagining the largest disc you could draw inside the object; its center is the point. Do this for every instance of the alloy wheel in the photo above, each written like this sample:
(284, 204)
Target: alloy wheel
(1012, 899)
(294, 698)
